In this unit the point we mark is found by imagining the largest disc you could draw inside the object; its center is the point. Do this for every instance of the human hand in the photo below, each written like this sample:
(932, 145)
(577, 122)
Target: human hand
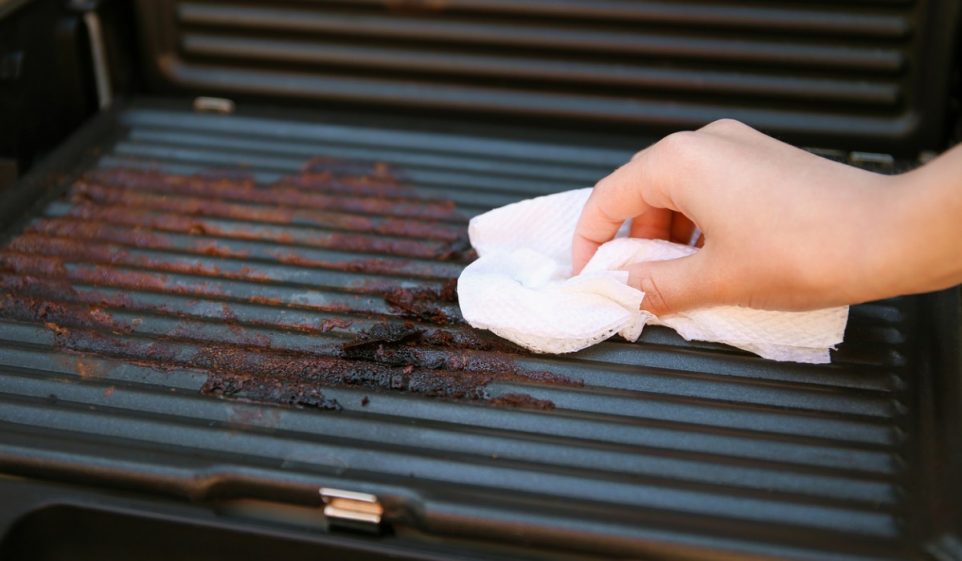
(783, 228)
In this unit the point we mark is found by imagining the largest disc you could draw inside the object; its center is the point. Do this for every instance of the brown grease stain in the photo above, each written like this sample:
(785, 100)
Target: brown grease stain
(119, 216)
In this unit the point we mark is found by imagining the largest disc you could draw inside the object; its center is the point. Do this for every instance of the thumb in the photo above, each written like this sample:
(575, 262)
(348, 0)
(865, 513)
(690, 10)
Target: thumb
(671, 286)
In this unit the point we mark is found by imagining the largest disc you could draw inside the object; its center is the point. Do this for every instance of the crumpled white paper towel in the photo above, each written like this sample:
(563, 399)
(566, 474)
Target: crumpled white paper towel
(520, 288)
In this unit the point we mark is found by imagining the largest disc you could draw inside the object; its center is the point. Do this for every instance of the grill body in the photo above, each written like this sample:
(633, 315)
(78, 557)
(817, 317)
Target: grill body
(120, 379)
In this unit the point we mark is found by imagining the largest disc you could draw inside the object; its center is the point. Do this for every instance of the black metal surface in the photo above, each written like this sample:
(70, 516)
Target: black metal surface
(45, 90)
(105, 526)
(669, 449)
(867, 75)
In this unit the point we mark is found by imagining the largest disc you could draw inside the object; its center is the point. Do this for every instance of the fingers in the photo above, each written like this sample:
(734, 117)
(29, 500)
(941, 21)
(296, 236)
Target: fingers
(613, 200)
(589, 237)
(662, 224)
(681, 229)
(672, 286)
(664, 177)
(654, 224)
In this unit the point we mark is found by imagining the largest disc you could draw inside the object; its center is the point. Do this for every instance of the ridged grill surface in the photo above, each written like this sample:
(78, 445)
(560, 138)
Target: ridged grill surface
(849, 72)
(659, 442)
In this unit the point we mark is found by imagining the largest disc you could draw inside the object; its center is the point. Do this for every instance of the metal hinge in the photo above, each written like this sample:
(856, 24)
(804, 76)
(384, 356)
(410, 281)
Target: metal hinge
(355, 511)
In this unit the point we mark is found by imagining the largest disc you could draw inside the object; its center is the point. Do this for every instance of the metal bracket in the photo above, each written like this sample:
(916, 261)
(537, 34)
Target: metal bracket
(355, 511)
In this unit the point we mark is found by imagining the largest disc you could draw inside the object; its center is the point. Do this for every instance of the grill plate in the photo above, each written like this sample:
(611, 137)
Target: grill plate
(667, 447)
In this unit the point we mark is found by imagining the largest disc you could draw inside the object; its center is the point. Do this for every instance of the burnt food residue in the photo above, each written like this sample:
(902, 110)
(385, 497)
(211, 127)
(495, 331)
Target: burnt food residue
(214, 271)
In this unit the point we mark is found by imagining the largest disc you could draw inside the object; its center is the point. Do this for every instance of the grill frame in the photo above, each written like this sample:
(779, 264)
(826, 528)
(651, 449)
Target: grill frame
(936, 318)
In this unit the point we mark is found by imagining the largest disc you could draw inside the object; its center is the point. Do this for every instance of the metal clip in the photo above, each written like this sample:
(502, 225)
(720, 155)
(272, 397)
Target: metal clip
(348, 509)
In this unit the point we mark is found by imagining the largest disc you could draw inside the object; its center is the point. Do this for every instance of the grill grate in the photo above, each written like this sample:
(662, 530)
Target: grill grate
(621, 448)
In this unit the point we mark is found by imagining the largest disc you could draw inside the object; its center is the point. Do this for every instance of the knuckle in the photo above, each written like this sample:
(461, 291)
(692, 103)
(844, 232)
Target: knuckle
(724, 125)
(654, 298)
(682, 145)
(601, 190)
(605, 182)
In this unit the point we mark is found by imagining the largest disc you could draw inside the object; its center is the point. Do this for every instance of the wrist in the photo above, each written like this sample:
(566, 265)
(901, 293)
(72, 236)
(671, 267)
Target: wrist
(920, 219)
(868, 244)
(888, 247)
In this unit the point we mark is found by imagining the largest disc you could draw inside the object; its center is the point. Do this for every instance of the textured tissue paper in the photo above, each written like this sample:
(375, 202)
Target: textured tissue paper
(520, 288)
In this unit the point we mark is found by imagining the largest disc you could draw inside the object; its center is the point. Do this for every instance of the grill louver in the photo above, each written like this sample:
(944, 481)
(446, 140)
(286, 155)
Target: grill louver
(842, 73)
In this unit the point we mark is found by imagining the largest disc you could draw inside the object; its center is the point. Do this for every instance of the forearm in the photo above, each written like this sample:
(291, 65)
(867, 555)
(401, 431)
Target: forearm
(923, 236)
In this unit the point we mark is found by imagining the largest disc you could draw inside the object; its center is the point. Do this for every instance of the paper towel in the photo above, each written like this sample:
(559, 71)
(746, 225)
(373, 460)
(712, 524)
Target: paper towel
(521, 288)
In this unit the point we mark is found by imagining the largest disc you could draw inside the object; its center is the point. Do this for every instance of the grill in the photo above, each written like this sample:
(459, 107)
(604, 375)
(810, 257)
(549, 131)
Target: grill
(257, 305)
(857, 74)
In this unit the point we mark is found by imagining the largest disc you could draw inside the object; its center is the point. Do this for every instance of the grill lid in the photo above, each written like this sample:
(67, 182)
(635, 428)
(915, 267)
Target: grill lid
(153, 319)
